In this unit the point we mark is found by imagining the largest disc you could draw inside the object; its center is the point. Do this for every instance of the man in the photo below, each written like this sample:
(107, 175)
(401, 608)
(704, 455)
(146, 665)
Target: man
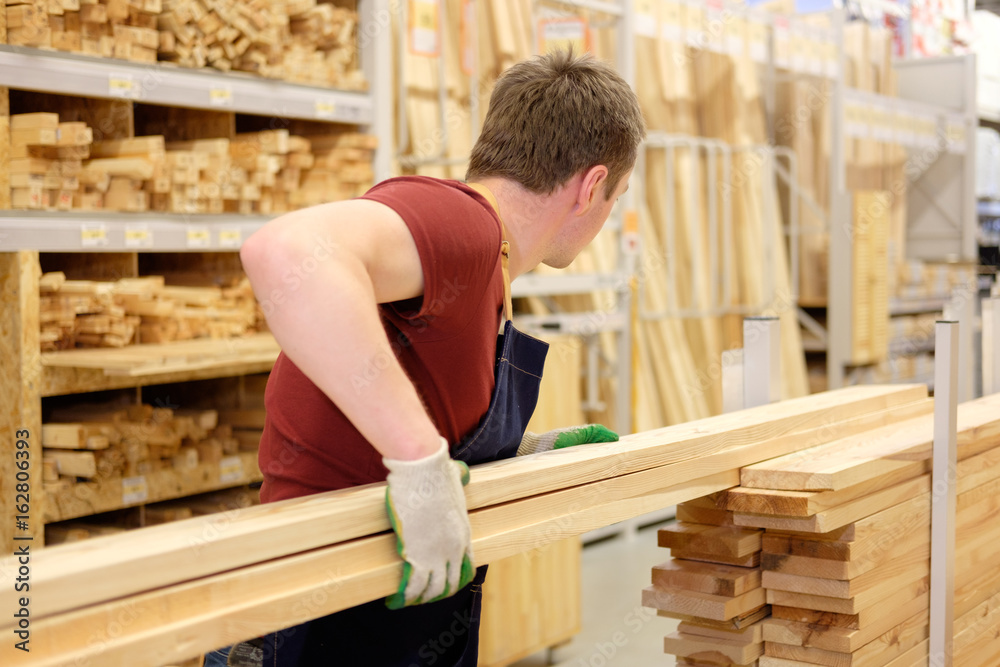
(387, 309)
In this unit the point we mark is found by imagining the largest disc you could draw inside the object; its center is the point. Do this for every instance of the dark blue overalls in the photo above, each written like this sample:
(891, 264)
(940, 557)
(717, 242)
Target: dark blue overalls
(444, 633)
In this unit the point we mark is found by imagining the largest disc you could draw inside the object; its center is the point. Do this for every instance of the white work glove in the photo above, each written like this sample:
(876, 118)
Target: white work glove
(426, 505)
(533, 443)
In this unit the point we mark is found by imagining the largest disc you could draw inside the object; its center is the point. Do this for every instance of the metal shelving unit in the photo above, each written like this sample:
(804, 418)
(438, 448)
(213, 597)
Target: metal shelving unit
(30, 376)
(162, 83)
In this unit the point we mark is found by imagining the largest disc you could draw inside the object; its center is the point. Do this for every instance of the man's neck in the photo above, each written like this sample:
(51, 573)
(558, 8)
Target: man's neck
(530, 220)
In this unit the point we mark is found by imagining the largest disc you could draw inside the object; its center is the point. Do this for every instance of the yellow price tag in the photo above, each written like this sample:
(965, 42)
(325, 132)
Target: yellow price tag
(198, 237)
(230, 469)
(134, 490)
(138, 237)
(325, 109)
(122, 85)
(646, 23)
(230, 238)
(92, 236)
(220, 96)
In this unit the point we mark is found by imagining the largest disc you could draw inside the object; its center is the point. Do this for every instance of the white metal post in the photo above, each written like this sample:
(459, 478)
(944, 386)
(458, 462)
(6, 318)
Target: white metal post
(761, 361)
(732, 380)
(991, 346)
(961, 308)
(943, 492)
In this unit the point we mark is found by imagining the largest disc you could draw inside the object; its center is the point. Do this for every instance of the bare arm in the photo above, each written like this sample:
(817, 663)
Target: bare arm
(319, 274)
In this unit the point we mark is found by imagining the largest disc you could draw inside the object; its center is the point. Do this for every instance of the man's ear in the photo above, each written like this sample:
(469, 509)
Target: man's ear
(591, 186)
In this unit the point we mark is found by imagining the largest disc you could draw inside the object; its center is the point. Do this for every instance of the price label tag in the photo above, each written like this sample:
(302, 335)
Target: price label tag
(831, 56)
(123, 86)
(855, 117)
(138, 236)
(220, 96)
(671, 22)
(757, 36)
(736, 36)
(646, 24)
(425, 27)
(562, 34)
(198, 237)
(230, 238)
(93, 235)
(230, 469)
(325, 109)
(134, 490)
(782, 42)
(799, 42)
(694, 25)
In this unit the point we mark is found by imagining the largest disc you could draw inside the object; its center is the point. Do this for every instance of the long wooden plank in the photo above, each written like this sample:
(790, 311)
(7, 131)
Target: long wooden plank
(856, 459)
(843, 515)
(808, 503)
(728, 541)
(83, 574)
(703, 605)
(711, 578)
(870, 533)
(184, 620)
(905, 561)
(843, 640)
(826, 568)
(876, 653)
(860, 621)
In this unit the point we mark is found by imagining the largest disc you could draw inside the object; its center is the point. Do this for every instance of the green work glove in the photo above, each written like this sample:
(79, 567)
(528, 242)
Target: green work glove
(533, 443)
(426, 506)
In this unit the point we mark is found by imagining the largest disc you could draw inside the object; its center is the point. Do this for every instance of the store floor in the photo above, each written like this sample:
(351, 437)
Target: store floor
(616, 630)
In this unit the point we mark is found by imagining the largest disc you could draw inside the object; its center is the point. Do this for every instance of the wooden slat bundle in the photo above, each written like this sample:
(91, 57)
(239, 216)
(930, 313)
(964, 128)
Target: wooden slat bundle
(311, 546)
(84, 313)
(304, 41)
(846, 545)
(721, 604)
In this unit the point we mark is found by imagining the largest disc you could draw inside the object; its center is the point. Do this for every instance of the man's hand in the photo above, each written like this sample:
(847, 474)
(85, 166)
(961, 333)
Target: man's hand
(426, 506)
(533, 443)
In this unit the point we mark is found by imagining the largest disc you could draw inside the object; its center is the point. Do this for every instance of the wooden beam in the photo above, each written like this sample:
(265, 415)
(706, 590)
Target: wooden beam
(76, 576)
(189, 618)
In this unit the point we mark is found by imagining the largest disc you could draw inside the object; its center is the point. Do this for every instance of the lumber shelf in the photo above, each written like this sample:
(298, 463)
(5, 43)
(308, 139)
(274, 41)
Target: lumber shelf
(86, 370)
(75, 74)
(87, 498)
(65, 231)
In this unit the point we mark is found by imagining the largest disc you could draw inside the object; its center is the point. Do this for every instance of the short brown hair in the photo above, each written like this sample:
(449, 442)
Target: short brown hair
(554, 116)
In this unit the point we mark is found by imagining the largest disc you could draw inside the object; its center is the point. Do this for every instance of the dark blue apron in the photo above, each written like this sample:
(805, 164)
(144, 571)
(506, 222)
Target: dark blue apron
(443, 633)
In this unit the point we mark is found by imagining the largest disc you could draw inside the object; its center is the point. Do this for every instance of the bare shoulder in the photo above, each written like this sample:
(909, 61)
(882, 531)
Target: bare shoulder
(356, 231)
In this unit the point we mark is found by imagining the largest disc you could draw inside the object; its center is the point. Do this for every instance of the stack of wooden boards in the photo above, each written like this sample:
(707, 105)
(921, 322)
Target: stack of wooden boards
(713, 585)
(98, 443)
(46, 160)
(302, 40)
(846, 543)
(86, 313)
(331, 551)
(58, 166)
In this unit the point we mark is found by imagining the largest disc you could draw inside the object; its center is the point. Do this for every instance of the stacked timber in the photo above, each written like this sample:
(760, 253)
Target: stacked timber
(57, 166)
(94, 443)
(334, 551)
(46, 160)
(712, 584)
(341, 168)
(846, 547)
(85, 313)
(303, 41)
